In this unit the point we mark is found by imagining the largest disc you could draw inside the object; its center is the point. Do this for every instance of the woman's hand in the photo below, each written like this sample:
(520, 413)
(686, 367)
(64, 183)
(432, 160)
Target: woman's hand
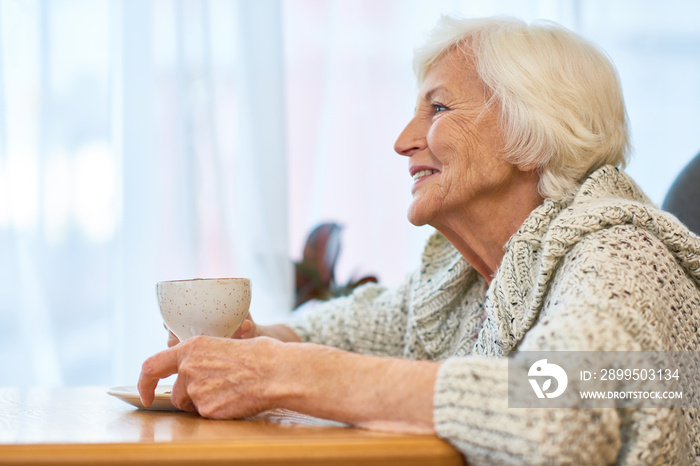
(172, 339)
(248, 330)
(223, 378)
(217, 377)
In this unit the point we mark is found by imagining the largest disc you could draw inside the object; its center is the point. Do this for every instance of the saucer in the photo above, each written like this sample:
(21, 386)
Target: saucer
(130, 394)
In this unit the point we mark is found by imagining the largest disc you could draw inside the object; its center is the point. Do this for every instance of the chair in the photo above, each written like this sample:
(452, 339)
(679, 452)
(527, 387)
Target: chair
(683, 198)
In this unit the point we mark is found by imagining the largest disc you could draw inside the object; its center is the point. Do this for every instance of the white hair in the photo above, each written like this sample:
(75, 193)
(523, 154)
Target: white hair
(560, 98)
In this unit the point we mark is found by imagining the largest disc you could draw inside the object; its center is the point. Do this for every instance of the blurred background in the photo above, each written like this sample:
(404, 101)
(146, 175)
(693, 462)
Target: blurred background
(146, 140)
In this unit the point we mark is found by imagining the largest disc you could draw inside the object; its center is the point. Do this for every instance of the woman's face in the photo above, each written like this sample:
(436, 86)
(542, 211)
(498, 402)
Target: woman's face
(454, 145)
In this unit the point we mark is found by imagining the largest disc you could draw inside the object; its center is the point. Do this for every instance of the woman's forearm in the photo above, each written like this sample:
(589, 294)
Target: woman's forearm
(367, 391)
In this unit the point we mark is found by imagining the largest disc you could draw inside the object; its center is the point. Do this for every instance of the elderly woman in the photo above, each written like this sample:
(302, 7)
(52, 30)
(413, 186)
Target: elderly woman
(542, 243)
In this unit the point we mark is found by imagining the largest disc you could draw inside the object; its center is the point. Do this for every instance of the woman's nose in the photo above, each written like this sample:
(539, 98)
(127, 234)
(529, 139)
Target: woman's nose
(411, 140)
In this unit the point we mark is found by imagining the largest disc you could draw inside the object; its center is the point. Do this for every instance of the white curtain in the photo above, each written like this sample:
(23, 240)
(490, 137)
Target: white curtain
(144, 140)
(140, 141)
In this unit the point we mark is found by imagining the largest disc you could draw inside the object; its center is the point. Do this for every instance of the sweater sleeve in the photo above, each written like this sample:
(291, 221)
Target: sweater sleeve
(372, 320)
(471, 411)
(598, 303)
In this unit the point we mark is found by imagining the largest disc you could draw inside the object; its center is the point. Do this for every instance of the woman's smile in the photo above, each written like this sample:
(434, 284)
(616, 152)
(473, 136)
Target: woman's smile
(421, 173)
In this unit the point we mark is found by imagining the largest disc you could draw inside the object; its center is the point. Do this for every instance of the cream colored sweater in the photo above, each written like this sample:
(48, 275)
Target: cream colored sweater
(603, 270)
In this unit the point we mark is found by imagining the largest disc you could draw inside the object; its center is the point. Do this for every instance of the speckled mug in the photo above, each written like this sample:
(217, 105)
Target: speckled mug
(204, 306)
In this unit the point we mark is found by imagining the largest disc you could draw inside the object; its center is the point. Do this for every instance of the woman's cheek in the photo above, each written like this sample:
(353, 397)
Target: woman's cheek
(438, 136)
(454, 131)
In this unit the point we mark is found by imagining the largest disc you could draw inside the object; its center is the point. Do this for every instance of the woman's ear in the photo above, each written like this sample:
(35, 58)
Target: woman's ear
(530, 167)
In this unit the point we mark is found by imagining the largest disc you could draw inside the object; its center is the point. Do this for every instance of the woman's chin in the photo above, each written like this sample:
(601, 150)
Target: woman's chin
(417, 216)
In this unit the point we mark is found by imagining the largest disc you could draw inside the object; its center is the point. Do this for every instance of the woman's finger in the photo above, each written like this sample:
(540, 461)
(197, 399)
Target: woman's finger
(179, 397)
(172, 339)
(158, 366)
(246, 330)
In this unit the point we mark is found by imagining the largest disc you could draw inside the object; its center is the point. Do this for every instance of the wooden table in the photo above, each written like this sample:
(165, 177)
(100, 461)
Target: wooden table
(78, 426)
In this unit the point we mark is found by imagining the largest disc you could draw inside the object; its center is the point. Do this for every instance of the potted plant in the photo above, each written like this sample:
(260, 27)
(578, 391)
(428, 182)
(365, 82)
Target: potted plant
(315, 272)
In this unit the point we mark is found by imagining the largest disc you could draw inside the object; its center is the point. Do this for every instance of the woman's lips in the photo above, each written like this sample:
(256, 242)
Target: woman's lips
(420, 174)
(423, 173)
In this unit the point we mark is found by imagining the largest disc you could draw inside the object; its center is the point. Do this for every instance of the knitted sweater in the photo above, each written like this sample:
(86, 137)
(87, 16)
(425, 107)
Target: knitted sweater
(603, 270)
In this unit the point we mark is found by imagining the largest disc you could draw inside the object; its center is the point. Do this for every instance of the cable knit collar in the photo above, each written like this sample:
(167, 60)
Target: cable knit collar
(516, 294)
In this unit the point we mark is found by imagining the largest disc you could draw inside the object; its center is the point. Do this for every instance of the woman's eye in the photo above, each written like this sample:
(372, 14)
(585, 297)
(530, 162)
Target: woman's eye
(439, 108)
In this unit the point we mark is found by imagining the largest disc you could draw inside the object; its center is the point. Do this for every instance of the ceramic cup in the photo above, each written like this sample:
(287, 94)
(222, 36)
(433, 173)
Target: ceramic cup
(204, 306)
